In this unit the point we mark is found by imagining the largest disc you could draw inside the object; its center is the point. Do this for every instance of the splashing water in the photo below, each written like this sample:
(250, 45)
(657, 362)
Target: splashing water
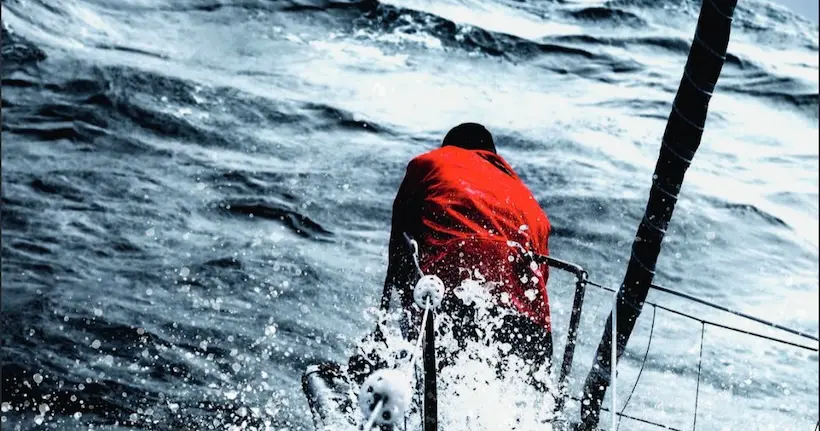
(481, 384)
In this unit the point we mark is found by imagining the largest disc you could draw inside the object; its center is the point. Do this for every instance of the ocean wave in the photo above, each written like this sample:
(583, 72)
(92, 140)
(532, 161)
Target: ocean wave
(746, 210)
(116, 98)
(388, 18)
(755, 81)
(299, 223)
(742, 75)
(670, 43)
(17, 51)
(603, 14)
(382, 18)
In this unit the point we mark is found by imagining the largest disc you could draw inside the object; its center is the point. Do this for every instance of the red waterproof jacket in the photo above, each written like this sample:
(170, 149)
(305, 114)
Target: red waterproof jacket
(464, 207)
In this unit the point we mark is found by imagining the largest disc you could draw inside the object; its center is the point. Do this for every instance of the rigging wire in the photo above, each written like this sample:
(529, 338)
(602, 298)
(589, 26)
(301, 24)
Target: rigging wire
(634, 418)
(697, 388)
(703, 323)
(708, 322)
(736, 313)
(643, 364)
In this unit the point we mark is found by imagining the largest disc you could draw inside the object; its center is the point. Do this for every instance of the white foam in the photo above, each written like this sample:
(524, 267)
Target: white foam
(471, 394)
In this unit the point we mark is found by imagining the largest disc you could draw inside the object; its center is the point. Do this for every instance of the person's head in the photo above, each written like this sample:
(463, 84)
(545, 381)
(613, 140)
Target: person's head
(470, 136)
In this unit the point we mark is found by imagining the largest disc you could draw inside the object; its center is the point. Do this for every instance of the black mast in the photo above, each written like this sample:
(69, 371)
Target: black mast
(680, 142)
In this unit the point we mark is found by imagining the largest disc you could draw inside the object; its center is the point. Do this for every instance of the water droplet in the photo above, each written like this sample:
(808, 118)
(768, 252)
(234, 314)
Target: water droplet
(531, 294)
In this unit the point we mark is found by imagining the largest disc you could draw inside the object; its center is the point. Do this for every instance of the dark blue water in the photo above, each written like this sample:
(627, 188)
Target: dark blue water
(196, 195)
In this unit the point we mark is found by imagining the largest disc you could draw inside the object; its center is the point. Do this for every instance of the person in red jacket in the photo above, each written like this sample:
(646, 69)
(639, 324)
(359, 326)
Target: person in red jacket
(471, 214)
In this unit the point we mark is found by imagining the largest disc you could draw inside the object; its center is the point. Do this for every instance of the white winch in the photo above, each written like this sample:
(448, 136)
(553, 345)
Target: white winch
(428, 287)
(385, 394)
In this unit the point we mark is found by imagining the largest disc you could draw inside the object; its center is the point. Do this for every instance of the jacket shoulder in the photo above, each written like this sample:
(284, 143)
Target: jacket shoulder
(426, 161)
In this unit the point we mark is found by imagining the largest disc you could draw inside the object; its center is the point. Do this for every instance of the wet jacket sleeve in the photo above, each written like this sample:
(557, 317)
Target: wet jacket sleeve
(401, 273)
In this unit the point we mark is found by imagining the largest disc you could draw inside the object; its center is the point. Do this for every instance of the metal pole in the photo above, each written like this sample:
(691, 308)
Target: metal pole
(614, 362)
(572, 335)
(430, 392)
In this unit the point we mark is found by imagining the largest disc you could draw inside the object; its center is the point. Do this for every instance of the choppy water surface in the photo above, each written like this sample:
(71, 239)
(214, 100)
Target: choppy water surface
(196, 195)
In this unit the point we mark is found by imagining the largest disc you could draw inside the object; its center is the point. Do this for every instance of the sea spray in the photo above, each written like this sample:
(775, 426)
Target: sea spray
(481, 384)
